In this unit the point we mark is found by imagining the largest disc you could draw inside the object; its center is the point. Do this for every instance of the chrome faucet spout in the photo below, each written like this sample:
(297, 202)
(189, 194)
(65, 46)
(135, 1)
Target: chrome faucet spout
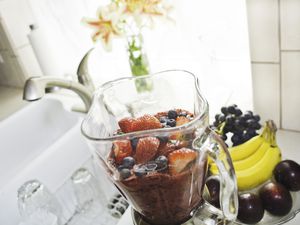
(34, 88)
(83, 74)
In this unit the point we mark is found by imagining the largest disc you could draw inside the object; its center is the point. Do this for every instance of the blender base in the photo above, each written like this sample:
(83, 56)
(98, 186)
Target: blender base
(201, 217)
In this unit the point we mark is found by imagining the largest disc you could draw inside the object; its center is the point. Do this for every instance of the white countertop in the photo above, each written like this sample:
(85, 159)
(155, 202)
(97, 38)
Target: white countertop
(289, 143)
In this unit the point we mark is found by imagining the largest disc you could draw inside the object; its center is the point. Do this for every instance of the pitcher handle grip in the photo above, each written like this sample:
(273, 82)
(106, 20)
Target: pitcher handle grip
(217, 150)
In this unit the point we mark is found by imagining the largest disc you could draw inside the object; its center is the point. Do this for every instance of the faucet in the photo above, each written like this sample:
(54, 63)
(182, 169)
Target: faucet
(83, 74)
(34, 88)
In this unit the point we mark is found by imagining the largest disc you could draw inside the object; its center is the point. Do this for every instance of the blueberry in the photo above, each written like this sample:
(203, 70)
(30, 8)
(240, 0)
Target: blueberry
(246, 137)
(256, 118)
(134, 142)
(162, 162)
(247, 116)
(121, 167)
(238, 112)
(163, 119)
(251, 132)
(249, 112)
(224, 110)
(171, 122)
(128, 162)
(140, 171)
(231, 109)
(256, 126)
(217, 117)
(229, 119)
(172, 114)
(125, 173)
(251, 123)
(235, 139)
(221, 118)
(216, 123)
(163, 139)
(238, 124)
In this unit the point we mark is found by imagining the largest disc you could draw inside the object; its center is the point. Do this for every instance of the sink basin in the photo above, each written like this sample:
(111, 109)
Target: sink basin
(25, 134)
(41, 141)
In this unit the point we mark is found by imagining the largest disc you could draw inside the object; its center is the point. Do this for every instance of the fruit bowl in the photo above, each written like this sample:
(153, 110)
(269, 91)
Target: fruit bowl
(269, 219)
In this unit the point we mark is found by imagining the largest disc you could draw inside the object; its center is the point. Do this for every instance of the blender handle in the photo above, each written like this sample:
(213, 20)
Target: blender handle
(217, 150)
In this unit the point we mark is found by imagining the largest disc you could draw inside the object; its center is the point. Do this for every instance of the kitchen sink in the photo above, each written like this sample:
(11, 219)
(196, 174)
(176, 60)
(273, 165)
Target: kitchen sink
(41, 141)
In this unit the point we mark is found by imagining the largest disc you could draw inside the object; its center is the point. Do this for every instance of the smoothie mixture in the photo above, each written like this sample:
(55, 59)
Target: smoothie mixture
(162, 176)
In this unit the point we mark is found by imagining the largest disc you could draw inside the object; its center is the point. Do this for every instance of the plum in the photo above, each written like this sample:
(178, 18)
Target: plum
(213, 186)
(287, 173)
(276, 199)
(250, 208)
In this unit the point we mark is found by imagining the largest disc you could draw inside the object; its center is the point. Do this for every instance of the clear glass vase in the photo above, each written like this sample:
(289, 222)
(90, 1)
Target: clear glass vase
(138, 62)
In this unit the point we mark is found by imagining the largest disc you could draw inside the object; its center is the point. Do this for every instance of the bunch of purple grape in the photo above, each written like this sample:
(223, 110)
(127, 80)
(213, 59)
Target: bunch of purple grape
(243, 126)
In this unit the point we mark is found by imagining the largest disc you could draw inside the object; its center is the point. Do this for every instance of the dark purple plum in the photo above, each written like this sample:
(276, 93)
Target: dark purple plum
(276, 199)
(287, 173)
(213, 186)
(250, 208)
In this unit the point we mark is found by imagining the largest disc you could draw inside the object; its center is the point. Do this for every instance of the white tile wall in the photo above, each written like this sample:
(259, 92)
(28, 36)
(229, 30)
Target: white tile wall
(10, 70)
(5, 38)
(17, 16)
(291, 90)
(290, 24)
(266, 91)
(263, 30)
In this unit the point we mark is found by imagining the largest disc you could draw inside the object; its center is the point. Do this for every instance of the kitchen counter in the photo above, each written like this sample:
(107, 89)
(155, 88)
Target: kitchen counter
(289, 143)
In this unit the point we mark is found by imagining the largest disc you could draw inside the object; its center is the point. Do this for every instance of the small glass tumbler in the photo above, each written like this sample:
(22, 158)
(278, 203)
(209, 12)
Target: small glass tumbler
(86, 190)
(35, 202)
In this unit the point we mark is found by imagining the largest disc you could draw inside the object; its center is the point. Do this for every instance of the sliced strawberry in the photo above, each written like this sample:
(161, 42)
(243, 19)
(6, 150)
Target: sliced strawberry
(146, 149)
(165, 149)
(179, 159)
(146, 122)
(122, 149)
(180, 120)
(126, 124)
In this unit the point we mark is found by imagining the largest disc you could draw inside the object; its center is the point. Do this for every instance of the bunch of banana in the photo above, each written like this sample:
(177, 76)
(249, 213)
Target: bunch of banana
(255, 159)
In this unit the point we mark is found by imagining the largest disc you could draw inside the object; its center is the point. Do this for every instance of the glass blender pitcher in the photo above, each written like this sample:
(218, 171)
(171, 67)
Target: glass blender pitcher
(163, 175)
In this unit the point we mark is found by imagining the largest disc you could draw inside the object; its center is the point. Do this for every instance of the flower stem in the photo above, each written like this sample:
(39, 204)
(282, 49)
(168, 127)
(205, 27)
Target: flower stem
(139, 63)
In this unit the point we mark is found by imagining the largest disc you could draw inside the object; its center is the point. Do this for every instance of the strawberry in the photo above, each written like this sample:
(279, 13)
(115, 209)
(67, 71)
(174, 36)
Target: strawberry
(165, 149)
(180, 120)
(122, 149)
(126, 124)
(146, 149)
(179, 159)
(146, 122)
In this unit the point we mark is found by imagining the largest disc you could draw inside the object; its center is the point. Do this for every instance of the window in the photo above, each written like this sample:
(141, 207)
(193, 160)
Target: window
(209, 38)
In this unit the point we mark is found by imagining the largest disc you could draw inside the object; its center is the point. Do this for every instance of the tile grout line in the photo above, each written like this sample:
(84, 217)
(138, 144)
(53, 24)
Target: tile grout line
(290, 50)
(280, 62)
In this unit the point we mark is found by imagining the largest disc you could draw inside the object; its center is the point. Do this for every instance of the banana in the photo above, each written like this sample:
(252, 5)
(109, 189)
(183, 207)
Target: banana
(252, 159)
(247, 162)
(259, 172)
(255, 160)
(246, 149)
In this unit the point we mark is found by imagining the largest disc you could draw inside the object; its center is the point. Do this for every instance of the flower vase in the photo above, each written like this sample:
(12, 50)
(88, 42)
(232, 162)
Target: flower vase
(138, 62)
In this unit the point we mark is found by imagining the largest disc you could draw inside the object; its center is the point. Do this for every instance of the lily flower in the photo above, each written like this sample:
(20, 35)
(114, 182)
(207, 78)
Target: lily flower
(106, 26)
